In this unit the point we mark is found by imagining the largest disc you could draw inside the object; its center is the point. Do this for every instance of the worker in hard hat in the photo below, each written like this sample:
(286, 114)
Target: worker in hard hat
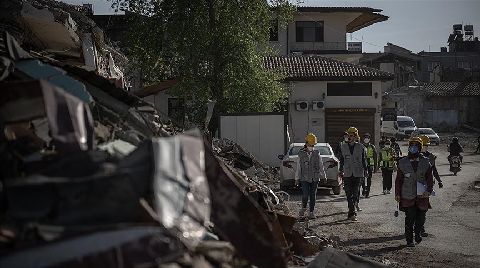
(387, 159)
(308, 173)
(431, 158)
(353, 167)
(371, 164)
(413, 186)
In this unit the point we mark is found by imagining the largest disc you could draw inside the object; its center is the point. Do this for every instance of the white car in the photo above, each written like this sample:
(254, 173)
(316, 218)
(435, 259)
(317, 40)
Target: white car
(330, 164)
(430, 133)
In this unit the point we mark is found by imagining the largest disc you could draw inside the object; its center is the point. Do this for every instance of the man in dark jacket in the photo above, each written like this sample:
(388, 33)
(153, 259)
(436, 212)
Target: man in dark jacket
(413, 186)
(455, 149)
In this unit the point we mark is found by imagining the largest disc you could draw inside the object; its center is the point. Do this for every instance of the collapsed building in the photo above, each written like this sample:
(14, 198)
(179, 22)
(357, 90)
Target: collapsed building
(92, 175)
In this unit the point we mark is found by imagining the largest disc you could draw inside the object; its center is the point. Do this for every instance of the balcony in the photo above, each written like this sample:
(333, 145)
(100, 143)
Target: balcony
(326, 47)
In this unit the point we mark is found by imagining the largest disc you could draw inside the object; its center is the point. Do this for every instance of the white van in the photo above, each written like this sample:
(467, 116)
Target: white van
(400, 129)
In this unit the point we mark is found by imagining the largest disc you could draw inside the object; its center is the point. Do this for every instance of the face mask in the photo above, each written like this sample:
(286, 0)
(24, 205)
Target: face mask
(366, 140)
(413, 149)
(309, 148)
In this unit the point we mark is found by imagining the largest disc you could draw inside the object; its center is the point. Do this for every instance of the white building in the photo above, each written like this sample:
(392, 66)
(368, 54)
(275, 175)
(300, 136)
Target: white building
(327, 96)
(323, 30)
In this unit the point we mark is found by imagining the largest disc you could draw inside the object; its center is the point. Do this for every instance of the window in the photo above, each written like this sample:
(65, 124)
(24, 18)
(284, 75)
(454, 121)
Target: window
(176, 109)
(349, 89)
(324, 150)
(406, 123)
(432, 65)
(273, 30)
(309, 31)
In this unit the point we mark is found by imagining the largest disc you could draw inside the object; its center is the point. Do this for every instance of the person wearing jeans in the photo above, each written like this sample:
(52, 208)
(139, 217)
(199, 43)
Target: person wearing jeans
(308, 173)
(353, 168)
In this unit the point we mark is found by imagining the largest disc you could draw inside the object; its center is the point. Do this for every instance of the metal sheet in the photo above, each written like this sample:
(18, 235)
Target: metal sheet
(240, 220)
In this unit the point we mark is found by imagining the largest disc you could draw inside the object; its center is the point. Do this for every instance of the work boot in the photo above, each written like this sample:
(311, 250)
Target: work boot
(301, 213)
(418, 238)
(311, 215)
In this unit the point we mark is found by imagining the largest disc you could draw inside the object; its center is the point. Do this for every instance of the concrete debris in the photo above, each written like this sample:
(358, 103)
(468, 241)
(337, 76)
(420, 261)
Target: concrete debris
(93, 176)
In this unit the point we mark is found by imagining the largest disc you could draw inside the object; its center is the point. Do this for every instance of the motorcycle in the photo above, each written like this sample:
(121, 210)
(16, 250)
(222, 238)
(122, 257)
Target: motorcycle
(455, 164)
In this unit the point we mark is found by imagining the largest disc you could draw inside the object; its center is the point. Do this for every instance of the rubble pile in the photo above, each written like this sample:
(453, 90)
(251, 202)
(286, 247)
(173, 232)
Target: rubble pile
(242, 160)
(93, 176)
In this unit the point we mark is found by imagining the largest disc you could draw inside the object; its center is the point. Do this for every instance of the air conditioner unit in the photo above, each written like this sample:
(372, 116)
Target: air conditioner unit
(301, 105)
(318, 105)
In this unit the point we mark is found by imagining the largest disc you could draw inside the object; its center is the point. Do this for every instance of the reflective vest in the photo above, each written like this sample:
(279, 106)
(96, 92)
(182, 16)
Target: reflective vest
(352, 165)
(411, 177)
(387, 158)
(370, 155)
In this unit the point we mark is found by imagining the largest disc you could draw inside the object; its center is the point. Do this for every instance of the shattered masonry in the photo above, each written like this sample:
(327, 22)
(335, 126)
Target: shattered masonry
(92, 175)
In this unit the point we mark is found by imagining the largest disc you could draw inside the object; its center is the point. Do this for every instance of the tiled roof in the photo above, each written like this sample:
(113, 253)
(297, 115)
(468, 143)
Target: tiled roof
(317, 68)
(336, 9)
(453, 89)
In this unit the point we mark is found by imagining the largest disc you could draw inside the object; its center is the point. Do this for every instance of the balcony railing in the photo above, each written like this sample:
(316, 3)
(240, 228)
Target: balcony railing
(327, 47)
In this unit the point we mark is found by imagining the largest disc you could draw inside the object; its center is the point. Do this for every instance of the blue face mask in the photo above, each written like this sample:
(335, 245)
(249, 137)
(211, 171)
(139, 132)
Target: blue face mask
(413, 149)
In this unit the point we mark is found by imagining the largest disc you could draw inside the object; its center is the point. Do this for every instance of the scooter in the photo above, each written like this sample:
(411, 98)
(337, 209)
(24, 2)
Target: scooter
(455, 164)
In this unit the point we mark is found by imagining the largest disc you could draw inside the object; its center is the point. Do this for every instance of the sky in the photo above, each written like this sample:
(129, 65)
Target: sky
(417, 25)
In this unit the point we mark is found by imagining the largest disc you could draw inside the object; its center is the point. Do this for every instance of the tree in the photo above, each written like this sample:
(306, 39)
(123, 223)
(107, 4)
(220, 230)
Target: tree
(215, 47)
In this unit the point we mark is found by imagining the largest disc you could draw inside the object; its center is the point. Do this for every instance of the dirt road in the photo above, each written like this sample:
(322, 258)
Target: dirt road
(453, 224)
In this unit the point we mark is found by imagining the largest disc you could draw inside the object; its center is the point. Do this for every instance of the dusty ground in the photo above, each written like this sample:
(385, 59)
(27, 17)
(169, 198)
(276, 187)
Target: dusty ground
(453, 224)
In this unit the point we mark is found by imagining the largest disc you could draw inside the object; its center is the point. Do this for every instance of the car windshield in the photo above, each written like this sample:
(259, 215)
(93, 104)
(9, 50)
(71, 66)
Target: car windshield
(406, 123)
(427, 131)
(324, 150)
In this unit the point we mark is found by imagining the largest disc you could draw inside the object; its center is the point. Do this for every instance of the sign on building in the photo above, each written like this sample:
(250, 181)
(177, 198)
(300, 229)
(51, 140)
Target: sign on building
(355, 46)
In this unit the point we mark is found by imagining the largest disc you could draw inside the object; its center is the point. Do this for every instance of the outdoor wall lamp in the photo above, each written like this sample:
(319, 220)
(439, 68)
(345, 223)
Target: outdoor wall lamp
(323, 95)
(376, 95)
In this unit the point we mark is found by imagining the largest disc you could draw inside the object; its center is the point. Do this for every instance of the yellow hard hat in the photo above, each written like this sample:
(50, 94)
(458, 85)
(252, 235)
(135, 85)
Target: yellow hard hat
(425, 140)
(415, 140)
(351, 130)
(311, 139)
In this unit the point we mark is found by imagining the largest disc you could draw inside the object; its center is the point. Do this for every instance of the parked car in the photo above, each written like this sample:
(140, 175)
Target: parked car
(330, 164)
(400, 129)
(430, 133)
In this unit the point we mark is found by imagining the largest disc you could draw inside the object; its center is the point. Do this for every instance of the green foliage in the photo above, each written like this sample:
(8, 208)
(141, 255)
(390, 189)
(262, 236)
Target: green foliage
(214, 46)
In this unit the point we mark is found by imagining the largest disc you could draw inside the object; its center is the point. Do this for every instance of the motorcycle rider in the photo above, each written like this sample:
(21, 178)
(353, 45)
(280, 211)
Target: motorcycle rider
(455, 149)
(371, 164)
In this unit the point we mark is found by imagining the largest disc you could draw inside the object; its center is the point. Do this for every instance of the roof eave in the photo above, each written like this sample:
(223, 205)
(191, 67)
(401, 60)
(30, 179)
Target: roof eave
(338, 78)
(365, 20)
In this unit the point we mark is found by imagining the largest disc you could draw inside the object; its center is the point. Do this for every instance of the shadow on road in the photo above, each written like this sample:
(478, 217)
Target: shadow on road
(382, 239)
(332, 223)
(380, 251)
